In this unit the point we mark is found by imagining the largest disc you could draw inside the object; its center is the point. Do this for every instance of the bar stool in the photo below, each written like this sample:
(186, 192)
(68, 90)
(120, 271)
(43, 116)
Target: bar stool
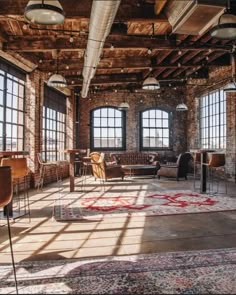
(19, 170)
(216, 169)
(5, 200)
(196, 168)
(42, 168)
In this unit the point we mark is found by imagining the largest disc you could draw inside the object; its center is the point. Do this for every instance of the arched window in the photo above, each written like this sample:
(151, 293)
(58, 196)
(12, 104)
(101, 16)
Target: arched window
(107, 129)
(155, 129)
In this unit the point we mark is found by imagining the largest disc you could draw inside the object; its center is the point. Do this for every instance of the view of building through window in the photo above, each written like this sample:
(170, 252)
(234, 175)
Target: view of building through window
(108, 128)
(155, 131)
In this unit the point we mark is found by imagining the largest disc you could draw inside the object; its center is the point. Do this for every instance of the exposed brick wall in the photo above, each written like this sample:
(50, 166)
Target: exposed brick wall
(166, 100)
(217, 79)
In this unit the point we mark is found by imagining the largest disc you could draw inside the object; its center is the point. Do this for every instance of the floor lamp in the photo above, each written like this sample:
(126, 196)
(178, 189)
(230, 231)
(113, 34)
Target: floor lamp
(5, 200)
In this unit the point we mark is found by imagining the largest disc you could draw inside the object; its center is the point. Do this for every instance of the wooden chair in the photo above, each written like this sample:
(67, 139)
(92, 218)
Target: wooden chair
(19, 170)
(102, 170)
(5, 200)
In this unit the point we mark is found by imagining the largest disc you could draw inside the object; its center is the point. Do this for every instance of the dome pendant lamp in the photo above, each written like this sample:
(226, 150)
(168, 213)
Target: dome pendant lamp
(151, 83)
(57, 80)
(231, 87)
(226, 27)
(44, 12)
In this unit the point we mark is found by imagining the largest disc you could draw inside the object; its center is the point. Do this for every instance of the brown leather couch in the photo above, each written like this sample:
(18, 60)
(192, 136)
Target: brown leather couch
(136, 158)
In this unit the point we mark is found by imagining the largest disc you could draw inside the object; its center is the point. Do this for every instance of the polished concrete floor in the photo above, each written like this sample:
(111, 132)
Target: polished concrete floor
(44, 238)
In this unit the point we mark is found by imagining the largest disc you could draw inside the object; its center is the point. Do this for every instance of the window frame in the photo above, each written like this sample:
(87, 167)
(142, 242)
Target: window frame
(141, 127)
(17, 114)
(55, 123)
(209, 128)
(123, 129)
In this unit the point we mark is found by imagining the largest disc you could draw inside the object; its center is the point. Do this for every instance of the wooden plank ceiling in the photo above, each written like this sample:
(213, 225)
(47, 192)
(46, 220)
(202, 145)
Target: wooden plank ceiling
(141, 43)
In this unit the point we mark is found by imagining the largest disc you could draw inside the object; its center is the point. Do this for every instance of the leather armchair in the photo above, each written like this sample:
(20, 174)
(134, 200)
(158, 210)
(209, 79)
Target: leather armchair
(178, 170)
(104, 170)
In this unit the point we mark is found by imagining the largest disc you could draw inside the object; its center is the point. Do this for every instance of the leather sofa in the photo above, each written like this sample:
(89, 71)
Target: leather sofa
(136, 158)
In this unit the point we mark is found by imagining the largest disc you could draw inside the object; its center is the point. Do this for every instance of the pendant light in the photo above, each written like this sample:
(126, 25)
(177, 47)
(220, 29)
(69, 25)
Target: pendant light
(57, 80)
(226, 27)
(44, 12)
(124, 106)
(231, 87)
(181, 107)
(151, 83)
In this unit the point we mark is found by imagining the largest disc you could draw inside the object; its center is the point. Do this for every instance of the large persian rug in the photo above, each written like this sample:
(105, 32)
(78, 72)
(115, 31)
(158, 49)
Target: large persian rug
(191, 272)
(97, 206)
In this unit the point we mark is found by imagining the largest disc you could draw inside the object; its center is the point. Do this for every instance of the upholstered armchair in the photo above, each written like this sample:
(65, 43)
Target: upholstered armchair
(178, 170)
(103, 169)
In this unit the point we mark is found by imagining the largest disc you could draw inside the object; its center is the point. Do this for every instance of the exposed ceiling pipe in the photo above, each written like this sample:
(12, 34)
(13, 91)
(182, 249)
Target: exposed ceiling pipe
(101, 19)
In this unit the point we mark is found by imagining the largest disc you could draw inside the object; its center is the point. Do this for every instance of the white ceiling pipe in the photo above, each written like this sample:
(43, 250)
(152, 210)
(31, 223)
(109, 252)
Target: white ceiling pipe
(102, 17)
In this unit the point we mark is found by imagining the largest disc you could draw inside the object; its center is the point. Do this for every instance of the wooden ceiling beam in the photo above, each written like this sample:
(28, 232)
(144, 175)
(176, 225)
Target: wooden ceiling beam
(159, 5)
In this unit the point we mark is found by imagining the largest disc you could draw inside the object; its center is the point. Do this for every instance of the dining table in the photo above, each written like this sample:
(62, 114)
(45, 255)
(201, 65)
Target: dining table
(72, 153)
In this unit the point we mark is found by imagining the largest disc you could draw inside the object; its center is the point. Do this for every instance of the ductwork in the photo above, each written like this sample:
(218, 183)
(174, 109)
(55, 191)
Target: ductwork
(102, 17)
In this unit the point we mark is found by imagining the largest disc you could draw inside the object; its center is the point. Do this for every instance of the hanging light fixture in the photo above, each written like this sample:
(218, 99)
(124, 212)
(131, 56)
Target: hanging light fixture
(151, 83)
(181, 107)
(231, 87)
(124, 106)
(226, 26)
(57, 80)
(44, 12)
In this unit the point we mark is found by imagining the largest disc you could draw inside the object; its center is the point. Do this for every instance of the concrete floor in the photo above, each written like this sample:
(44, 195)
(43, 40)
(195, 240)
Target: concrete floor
(45, 238)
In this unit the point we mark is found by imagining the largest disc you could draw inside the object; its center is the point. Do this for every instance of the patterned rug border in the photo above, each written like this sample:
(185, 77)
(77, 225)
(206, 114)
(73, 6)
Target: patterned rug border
(80, 214)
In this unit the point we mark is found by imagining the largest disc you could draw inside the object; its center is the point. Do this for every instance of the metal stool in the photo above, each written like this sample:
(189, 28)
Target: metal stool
(5, 200)
(196, 168)
(19, 170)
(43, 166)
(216, 166)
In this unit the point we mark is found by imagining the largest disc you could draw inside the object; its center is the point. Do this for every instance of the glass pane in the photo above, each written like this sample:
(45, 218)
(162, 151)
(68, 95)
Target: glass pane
(9, 86)
(104, 112)
(14, 116)
(118, 114)
(9, 100)
(104, 122)
(14, 102)
(118, 132)
(111, 112)
(8, 115)
(145, 115)
(97, 122)
(152, 122)
(165, 123)
(1, 113)
(111, 122)
(118, 122)
(15, 88)
(1, 97)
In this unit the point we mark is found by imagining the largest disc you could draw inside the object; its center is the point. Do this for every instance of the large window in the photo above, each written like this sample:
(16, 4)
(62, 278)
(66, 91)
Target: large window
(155, 129)
(107, 129)
(12, 91)
(54, 125)
(213, 120)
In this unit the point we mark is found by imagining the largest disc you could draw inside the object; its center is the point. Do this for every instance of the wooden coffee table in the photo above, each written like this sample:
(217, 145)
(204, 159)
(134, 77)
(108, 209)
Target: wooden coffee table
(135, 170)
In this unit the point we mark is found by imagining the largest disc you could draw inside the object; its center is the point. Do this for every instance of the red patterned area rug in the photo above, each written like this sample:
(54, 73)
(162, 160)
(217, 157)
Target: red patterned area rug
(191, 272)
(95, 206)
